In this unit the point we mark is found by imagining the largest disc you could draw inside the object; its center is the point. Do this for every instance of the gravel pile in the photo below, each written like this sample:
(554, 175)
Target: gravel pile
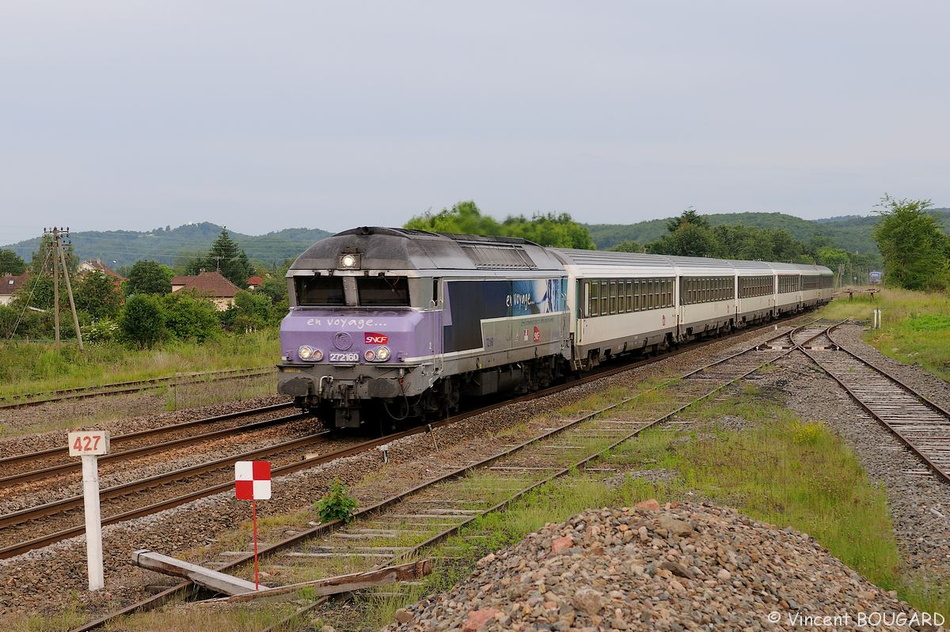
(686, 567)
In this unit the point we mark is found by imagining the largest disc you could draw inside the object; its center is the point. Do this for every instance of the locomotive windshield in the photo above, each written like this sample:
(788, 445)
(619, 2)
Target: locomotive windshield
(383, 291)
(333, 291)
(320, 290)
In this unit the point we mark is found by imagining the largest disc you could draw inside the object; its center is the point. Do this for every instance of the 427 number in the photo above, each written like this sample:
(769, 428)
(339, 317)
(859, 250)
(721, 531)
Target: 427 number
(87, 443)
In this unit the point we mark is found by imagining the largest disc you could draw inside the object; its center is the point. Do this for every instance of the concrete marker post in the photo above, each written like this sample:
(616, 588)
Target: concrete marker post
(90, 493)
(90, 445)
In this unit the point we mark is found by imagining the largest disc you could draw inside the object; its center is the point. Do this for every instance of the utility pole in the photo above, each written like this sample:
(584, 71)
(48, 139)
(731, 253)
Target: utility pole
(59, 257)
(55, 245)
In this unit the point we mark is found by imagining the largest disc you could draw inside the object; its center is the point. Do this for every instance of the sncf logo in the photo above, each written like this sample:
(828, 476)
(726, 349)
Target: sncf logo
(375, 339)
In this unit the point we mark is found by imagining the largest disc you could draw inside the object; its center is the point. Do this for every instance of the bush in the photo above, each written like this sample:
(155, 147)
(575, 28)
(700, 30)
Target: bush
(142, 321)
(337, 504)
(101, 331)
(190, 316)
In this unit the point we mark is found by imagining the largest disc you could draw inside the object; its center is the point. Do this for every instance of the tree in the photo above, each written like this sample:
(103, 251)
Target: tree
(11, 263)
(689, 216)
(784, 246)
(149, 277)
(9, 319)
(42, 262)
(190, 316)
(559, 231)
(462, 219)
(142, 321)
(251, 311)
(628, 246)
(227, 258)
(275, 287)
(97, 295)
(912, 244)
(688, 240)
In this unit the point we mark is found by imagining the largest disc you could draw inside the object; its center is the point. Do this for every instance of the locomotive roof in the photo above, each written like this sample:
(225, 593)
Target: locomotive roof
(406, 249)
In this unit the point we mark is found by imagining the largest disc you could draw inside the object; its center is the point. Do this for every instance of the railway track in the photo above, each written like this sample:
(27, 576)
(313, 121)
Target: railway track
(44, 464)
(39, 526)
(401, 526)
(923, 426)
(119, 388)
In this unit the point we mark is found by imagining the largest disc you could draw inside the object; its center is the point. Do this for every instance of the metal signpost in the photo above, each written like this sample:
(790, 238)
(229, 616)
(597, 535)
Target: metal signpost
(252, 482)
(91, 444)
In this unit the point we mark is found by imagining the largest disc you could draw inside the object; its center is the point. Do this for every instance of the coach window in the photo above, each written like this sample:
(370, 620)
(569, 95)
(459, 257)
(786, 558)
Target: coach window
(613, 297)
(629, 296)
(593, 298)
(604, 299)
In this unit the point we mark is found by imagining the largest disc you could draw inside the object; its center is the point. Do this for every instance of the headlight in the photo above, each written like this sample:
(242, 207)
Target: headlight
(379, 354)
(349, 261)
(309, 354)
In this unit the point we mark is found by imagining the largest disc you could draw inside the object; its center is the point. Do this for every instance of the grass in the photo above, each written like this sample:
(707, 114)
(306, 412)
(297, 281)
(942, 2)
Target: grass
(28, 367)
(916, 326)
(247, 618)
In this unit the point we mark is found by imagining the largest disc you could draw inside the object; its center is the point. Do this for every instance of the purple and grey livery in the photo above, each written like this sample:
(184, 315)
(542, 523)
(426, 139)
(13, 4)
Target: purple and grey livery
(402, 324)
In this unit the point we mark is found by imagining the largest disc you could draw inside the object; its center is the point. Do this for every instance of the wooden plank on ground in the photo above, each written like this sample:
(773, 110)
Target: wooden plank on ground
(347, 583)
(219, 582)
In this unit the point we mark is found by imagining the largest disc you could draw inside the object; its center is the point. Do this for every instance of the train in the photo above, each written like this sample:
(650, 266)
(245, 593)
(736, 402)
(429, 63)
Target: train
(391, 326)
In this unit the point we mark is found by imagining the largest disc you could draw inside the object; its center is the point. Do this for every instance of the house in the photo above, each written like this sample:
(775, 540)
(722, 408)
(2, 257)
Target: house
(9, 284)
(98, 266)
(210, 284)
(254, 282)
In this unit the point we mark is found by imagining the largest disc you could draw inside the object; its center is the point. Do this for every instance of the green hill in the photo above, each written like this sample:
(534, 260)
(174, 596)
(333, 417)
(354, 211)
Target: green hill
(849, 232)
(174, 246)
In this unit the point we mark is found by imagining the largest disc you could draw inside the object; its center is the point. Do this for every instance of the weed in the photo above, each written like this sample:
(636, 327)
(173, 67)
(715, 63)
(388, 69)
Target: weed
(337, 504)
(809, 433)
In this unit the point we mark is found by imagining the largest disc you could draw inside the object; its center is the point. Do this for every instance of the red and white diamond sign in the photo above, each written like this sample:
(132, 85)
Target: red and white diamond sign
(252, 480)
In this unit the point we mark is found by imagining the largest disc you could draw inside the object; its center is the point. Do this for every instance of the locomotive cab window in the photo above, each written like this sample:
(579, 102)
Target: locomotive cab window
(319, 291)
(383, 291)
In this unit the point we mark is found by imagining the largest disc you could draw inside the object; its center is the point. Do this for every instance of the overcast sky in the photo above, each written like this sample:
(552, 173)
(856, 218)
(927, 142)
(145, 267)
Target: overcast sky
(260, 116)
